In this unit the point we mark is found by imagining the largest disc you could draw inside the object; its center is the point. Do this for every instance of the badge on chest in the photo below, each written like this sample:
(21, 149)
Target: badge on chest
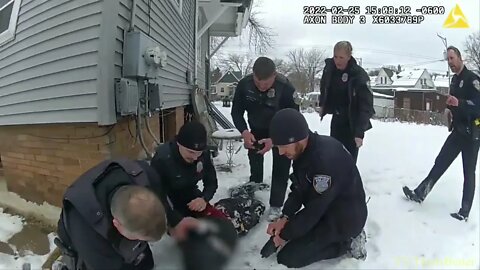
(199, 167)
(321, 183)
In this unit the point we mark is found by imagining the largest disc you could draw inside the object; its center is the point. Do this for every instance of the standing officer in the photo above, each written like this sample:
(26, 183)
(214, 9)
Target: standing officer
(262, 94)
(110, 212)
(327, 183)
(464, 105)
(181, 164)
(345, 93)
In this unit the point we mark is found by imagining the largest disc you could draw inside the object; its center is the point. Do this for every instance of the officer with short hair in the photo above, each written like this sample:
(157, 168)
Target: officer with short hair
(261, 95)
(182, 163)
(327, 183)
(345, 93)
(463, 103)
(110, 212)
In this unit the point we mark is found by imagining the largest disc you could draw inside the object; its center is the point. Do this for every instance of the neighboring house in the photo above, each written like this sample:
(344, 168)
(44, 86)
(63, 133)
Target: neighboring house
(384, 77)
(382, 100)
(73, 74)
(416, 78)
(442, 84)
(383, 105)
(420, 100)
(225, 86)
(382, 83)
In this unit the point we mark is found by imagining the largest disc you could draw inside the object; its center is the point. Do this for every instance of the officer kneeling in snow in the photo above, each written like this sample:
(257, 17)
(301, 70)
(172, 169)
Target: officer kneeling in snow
(327, 182)
(110, 212)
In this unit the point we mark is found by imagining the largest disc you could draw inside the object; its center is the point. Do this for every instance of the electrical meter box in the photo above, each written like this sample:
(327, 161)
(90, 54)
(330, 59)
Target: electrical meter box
(143, 57)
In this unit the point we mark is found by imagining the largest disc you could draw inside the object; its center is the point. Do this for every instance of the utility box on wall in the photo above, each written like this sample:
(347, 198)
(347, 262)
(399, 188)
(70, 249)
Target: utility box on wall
(126, 96)
(142, 56)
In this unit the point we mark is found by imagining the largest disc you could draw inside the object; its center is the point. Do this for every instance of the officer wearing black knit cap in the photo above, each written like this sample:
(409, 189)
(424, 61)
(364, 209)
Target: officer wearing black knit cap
(326, 181)
(182, 163)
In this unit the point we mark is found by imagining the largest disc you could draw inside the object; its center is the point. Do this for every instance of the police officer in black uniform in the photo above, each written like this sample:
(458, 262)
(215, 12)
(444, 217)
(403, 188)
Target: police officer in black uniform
(345, 93)
(110, 212)
(327, 183)
(464, 105)
(181, 164)
(262, 94)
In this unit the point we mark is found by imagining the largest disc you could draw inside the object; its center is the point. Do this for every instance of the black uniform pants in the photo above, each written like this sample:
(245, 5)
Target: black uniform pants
(340, 130)
(280, 170)
(322, 243)
(454, 144)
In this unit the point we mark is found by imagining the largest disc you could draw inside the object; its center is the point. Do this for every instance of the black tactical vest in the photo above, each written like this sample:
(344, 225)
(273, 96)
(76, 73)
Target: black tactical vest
(81, 195)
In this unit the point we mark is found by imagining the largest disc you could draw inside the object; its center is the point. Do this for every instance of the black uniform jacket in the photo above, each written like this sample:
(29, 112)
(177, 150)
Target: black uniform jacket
(360, 97)
(96, 251)
(466, 88)
(180, 179)
(260, 106)
(327, 183)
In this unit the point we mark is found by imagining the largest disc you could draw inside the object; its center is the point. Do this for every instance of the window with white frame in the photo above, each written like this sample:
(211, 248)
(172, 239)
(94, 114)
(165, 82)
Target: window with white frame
(178, 5)
(8, 19)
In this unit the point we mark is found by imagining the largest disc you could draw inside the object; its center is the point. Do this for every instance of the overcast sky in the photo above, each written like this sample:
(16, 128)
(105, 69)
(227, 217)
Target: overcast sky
(377, 45)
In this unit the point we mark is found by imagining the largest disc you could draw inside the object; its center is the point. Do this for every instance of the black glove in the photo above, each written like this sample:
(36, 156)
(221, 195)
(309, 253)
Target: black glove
(268, 249)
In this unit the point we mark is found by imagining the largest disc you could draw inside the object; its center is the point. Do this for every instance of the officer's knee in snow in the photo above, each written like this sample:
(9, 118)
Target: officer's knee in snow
(289, 260)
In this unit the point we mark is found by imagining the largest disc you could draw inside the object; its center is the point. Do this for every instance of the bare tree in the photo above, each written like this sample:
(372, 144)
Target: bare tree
(472, 50)
(237, 62)
(307, 62)
(282, 66)
(260, 36)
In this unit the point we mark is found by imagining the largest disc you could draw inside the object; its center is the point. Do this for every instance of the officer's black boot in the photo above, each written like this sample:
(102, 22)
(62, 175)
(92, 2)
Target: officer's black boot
(420, 193)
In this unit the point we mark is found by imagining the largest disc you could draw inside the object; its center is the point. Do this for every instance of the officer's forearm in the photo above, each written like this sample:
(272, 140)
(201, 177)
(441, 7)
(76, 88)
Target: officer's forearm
(470, 107)
(209, 192)
(239, 121)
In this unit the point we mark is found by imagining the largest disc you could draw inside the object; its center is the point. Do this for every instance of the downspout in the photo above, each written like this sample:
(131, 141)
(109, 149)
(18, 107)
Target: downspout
(132, 16)
(195, 69)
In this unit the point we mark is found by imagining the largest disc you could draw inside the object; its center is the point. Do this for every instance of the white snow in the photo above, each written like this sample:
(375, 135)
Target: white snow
(231, 133)
(401, 234)
(9, 226)
(375, 94)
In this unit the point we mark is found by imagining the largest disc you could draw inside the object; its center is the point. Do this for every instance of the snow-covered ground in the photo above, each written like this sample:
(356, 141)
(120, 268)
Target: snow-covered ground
(9, 226)
(401, 234)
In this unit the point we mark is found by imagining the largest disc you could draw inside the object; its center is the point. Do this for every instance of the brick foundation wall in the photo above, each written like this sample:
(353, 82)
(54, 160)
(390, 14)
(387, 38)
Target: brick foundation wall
(40, 161)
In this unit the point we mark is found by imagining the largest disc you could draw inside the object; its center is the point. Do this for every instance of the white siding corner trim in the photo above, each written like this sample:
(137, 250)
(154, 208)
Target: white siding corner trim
(9, 33)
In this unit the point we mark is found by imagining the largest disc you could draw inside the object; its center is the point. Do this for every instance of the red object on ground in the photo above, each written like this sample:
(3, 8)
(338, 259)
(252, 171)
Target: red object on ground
(212, 211)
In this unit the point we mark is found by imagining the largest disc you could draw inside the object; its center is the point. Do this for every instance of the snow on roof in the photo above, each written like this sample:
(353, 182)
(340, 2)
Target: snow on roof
(382, 95)
(405, 89)
(407, 77)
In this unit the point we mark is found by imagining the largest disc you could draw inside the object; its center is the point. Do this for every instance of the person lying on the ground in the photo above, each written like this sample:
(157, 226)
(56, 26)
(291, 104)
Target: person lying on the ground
(110, 212)
(327, 183)
(182, 163)
(210, 245)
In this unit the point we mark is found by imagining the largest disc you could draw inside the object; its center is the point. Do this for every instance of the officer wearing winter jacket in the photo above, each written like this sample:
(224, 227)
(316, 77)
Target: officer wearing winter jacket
(182, 163)
(327, 183)
(110, 212)
(345, 93)
(464, 106)
(261, 95)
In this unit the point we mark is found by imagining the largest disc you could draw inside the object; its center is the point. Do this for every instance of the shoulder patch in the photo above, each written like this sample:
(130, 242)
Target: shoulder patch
(321, 183)
(476, 84)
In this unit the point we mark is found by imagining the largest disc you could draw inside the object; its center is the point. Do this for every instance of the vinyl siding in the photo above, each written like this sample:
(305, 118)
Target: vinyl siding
(48, 72)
